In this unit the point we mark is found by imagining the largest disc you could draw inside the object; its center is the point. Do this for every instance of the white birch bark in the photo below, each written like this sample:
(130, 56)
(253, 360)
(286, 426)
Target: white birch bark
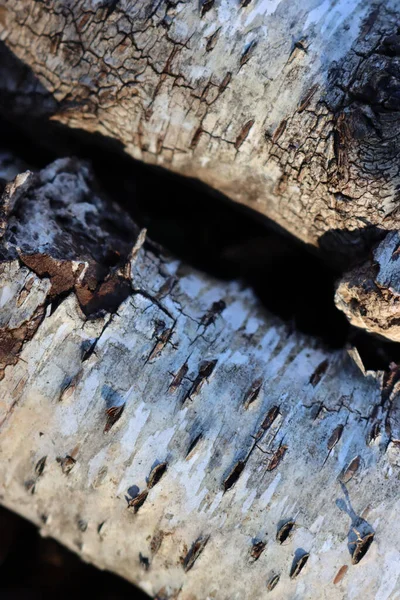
(289, 107)
(177, 438)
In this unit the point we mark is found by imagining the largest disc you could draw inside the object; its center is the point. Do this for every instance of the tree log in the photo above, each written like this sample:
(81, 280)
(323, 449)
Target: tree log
(166, 427)
(290, 108)
(161, 423)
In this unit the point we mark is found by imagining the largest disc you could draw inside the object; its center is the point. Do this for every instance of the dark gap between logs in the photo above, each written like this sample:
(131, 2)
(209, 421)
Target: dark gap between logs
(203, 228)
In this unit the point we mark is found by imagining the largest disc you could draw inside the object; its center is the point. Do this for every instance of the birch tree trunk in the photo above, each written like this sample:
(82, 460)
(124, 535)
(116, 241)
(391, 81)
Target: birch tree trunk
(161, 423)
(165, 427)
(290, 107)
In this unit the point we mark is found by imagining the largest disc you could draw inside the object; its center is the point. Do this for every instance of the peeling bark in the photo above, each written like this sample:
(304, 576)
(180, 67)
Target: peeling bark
(290, 108)
(186, 439)
(156, 421)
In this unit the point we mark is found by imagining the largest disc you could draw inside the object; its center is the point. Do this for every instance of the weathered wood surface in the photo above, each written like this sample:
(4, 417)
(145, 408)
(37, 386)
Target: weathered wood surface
(175, 436)
(369, 294)
(288, 106)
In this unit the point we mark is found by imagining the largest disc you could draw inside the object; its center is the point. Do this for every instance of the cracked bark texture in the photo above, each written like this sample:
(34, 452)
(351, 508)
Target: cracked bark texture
(185, 438)
(288, 107)
(369, 294)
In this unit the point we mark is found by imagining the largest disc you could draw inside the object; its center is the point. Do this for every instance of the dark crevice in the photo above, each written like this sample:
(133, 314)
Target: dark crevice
(200, 226)
(205, 229)
(285, 530)
(35, 567)
(195, 550)
(193, 444)
(300, 559)
(234, 475)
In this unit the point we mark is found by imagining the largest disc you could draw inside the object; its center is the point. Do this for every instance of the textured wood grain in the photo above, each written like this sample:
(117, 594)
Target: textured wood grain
(197, 457)
(289, 107)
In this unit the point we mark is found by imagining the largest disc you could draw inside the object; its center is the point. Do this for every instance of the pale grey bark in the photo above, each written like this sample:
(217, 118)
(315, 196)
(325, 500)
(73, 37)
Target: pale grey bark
(161, 423)
(176, 439)
(289, 107)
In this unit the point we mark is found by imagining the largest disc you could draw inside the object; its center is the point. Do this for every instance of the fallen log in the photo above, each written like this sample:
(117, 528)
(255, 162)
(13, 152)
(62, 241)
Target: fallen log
(166, 427)
(158, 422)
(289, 108)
